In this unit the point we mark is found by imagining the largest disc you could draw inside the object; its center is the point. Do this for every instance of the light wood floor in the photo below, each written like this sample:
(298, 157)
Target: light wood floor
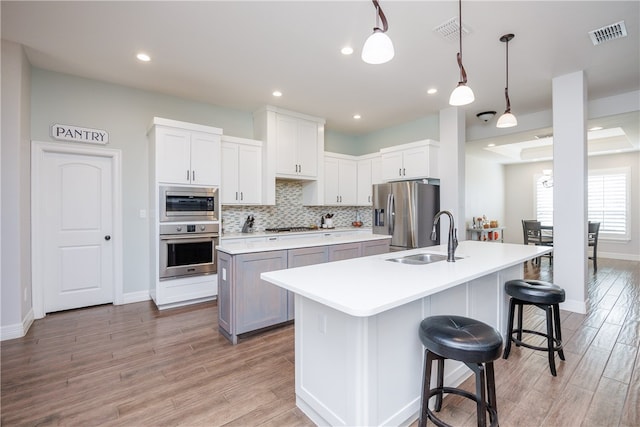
(131, 365)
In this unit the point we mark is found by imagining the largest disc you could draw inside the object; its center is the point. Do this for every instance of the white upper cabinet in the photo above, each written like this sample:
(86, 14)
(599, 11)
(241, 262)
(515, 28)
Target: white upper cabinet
(241, 171)
(297, 147)
(186, 153)
(293, 149)
(369, 173)
(410, 161)
(340, 182)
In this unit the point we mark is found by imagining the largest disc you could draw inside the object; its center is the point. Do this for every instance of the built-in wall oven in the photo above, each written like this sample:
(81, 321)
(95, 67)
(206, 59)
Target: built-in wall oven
(187, 250)
(189, 204)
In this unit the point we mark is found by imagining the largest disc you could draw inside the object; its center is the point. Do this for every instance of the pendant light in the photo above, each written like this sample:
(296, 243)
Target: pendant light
(507, 120)
(462, 94)
(378, 47)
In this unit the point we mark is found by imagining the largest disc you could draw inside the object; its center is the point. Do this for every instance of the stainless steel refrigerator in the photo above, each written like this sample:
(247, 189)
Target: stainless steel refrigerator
(405, 210)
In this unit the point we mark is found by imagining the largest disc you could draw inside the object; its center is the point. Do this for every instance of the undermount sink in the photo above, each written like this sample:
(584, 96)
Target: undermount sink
(417, 259)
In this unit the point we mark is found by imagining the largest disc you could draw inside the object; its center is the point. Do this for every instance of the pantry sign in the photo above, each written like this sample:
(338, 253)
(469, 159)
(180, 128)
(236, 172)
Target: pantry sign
(79, 134)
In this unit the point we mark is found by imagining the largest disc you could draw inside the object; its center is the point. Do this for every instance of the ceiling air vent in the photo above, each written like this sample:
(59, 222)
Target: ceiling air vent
(449, 30)
(610, 32)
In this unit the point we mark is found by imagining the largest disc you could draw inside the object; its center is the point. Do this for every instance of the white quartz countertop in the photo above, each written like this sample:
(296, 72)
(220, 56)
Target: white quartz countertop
(367, 286)
(294, 241)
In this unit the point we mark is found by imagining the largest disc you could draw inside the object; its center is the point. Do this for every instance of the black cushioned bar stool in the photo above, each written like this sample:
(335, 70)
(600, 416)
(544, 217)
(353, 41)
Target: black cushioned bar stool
(546, 296)
(470, 341)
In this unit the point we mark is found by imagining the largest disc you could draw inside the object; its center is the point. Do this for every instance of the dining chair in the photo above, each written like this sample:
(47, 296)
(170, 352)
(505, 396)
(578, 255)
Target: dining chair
(594, 231)
(532, 235)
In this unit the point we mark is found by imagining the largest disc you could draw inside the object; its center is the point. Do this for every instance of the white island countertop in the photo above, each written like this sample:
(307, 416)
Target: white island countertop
(295, 240)
(368, 286)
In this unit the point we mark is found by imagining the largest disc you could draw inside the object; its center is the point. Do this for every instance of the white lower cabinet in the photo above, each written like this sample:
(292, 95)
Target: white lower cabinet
(247, 303)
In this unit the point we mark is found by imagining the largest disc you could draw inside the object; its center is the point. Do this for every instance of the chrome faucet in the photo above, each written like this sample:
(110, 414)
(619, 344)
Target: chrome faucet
(452, 244)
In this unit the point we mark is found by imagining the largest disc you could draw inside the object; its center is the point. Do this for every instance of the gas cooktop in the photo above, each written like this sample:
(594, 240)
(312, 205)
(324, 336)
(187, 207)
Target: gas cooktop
(288, 229)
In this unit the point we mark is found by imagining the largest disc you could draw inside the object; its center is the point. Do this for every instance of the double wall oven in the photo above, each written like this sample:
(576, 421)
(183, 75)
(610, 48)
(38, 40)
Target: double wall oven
(188, 234)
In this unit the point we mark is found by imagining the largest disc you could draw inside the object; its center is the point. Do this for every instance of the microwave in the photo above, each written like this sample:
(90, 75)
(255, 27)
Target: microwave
(189, 204)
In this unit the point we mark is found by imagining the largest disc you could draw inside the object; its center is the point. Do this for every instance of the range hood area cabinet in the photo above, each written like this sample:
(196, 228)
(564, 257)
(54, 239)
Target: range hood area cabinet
(415, 160)
(340, 179)
(293, 149)
(241, 171)
(184, 153)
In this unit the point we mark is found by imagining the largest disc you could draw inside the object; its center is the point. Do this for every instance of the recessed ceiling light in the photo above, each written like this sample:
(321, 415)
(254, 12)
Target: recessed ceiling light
(143, 57)
(432, 91)
(347, 50)
(357, 116)
(596, 128)
(277, 93)
(491, 145)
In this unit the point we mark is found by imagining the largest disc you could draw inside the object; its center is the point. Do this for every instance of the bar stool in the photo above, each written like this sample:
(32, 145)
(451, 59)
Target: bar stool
(470, 341)
(544, 295)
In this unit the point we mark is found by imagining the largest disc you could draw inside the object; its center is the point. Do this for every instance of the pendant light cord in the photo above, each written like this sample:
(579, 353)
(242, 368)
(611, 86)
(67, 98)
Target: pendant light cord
(380, 15)
(506, 88)
(463, 73)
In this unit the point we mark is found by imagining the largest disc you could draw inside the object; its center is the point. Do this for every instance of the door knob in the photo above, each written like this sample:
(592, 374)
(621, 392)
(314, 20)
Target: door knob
(107, 237)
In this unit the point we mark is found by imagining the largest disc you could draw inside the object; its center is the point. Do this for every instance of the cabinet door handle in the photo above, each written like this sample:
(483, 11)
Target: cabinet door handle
(236, 195)
(193, 176)
(337, 199)
(404, 172)
(241, 196)
(400, 172)
(188, 173)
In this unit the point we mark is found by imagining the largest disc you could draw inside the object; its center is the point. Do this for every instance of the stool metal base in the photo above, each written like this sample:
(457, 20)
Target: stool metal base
(485, 388)
(553, 335)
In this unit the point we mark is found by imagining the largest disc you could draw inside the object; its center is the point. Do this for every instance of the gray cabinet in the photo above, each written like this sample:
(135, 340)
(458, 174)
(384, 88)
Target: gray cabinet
(300, 258)
(375, 247)
(246, 302)
(345, 251)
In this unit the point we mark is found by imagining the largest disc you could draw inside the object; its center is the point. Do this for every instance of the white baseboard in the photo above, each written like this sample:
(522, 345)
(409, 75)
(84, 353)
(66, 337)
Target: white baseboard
(616, 255)
(17, 330)
(574, 306)
(139, 296)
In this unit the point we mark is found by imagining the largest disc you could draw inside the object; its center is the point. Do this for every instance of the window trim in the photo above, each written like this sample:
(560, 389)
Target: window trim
(604, 171)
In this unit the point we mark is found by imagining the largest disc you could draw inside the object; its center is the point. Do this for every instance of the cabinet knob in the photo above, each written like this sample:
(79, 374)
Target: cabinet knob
(107, 237)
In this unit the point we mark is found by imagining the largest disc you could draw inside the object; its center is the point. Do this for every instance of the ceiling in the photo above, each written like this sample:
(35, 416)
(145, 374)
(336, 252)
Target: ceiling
(236, 53)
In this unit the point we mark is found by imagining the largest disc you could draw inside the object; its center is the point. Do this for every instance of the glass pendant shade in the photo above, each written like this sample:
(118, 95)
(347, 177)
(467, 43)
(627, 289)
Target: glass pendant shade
(378, 48)
(461, 95)
(507, 120)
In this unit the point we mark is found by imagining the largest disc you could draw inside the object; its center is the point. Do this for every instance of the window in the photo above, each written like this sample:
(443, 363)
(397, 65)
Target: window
(608, 201)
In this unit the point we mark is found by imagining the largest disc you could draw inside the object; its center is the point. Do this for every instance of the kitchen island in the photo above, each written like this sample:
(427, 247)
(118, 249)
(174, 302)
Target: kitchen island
(246, 303)
(358, 358)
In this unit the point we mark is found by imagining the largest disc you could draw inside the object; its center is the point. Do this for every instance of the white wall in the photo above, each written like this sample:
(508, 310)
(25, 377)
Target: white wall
(520, 193)
(15, 211)
(485, 191)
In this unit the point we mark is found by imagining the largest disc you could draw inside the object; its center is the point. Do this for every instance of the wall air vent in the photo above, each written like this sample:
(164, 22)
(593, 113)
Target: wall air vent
(449, 30)
(610, 32)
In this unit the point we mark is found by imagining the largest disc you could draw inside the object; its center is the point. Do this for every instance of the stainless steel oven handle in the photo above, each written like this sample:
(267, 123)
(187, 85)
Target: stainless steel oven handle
(199, 237)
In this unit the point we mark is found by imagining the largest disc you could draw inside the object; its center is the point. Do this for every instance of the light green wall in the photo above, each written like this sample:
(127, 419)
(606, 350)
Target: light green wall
(126, 114)
(425, 128)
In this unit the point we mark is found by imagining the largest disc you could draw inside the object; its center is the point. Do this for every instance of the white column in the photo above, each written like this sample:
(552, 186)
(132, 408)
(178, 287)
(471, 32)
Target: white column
(570, 188)
(451, 168)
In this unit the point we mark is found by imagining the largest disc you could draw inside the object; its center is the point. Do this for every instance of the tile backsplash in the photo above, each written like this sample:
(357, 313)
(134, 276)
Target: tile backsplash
(289, 212)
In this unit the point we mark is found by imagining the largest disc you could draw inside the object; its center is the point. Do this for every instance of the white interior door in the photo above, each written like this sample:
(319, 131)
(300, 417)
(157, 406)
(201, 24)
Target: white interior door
(75, 223)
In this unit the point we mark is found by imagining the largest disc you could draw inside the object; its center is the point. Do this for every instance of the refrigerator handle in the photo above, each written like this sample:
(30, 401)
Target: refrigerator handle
(391, 213)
